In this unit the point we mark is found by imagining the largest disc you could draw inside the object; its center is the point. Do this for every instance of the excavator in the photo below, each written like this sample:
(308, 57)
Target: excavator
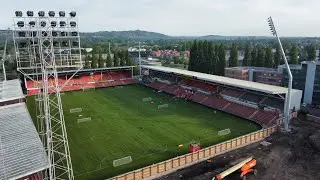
(245, 167)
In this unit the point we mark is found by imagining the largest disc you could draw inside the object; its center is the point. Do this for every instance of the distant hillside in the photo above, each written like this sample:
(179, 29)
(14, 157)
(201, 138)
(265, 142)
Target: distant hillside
(137, 34)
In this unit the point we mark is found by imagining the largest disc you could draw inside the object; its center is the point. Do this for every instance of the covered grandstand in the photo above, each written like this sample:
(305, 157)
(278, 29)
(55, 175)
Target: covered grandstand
(22, 155)
(258, 102)
(11, 92)
(87, 79)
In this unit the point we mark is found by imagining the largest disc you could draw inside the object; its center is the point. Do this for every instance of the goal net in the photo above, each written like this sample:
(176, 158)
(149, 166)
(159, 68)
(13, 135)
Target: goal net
(75, 110)
(224, 132)
(83, 120)
(122, 161)
(163, 106)
(147, 99)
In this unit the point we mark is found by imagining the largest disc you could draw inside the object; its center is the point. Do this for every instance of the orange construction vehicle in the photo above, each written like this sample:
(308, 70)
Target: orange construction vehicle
(245, 166)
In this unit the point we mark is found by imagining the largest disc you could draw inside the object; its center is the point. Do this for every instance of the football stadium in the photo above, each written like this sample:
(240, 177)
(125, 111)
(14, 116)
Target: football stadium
(117, 123)
(75, 123)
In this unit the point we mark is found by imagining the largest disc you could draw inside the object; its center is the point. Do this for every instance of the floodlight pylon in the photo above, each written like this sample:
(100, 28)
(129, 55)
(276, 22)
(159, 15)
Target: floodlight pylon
(40, 57)
(288, 96)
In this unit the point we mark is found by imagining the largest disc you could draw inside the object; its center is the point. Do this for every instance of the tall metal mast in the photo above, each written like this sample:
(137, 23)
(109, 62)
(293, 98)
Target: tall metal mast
(288, 96)
(45, 45)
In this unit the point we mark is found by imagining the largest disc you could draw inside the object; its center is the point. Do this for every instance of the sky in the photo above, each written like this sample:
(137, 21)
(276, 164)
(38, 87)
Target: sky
(182, 17)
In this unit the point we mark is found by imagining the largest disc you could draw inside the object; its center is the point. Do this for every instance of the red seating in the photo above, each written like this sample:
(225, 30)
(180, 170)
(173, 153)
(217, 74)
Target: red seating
(199, 98)
(97, 80)
(265, 117)
(239, 110)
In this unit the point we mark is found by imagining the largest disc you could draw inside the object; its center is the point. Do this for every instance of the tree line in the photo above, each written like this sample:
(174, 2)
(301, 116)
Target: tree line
(207, 57)
(118, 58)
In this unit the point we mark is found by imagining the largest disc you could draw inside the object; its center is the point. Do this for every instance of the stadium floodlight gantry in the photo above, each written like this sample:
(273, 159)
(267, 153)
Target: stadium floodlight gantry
(45, 44)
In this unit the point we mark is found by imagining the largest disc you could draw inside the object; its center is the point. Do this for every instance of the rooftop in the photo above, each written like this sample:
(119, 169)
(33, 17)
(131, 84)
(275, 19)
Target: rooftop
(264, 88)
(10, 90)
(21, 151)
(253, 67)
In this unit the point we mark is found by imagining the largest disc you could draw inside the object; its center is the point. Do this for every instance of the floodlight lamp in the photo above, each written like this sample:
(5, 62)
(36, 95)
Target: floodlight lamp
(73, 24)
(64, 43)
(73, 14)
(51, 13)
(62, 23)
(30, 13)
(33, 42)
(20, 24)
(43, 24)
(32, 23)
(23, 44)
(74, 33)
(41, 13)
(22, 34)
(34, 33)
(62, 14)
(54, 33)
(44, 34)
(18, 13)
(53, 23)
(75, 43)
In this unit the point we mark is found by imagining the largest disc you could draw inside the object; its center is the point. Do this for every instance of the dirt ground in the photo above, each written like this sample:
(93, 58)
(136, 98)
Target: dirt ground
(290, 156)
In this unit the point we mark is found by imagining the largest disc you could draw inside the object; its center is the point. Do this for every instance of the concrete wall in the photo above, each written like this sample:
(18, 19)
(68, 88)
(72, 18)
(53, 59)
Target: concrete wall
(308, 90)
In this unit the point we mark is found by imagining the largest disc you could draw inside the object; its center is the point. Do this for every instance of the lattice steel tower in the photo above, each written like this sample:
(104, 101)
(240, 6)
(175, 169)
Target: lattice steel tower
(45, 44)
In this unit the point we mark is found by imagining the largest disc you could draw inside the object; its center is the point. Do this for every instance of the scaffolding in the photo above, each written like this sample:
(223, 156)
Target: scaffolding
(45, 44)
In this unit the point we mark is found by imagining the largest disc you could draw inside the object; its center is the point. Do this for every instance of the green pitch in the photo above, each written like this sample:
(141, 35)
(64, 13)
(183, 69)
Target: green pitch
(123, 125)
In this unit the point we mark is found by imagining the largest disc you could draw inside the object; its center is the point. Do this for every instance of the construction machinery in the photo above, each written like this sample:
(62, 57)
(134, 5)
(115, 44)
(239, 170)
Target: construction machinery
(245, 167)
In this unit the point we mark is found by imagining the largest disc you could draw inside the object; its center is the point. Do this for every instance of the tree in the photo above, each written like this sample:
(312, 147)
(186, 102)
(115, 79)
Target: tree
(193, 56)
(129, 61)
(294, 55)
(109, 61)
(211, 59)
(123, 57)
(221, 60)
(94, 61)
(100, 60)
(247, 56)
(269, 58)
(260, 57)
(200, 61)
(87, 62)
(277, 57)
(254, 54)
(115, 60)
(311, 52)
(233, 59)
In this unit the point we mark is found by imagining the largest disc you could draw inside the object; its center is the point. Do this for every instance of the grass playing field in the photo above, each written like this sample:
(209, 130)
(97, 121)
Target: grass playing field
(123, 125)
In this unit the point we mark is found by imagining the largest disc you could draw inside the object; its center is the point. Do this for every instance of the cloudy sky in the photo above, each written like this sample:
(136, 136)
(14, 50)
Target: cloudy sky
(182, 17)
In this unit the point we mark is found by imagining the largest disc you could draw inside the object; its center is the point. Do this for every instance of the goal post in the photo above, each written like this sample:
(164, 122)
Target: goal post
(122, 161)
(224, 132)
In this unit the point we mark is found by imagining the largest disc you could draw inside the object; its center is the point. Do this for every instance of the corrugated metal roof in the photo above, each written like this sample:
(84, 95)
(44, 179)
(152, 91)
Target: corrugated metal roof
(10, 90)
(21, 150)
(265, 88)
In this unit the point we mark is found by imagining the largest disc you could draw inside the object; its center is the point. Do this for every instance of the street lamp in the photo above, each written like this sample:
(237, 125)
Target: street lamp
(288, 96)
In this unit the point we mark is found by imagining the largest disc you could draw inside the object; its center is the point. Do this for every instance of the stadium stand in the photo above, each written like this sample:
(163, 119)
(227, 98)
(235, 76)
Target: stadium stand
(86, 79)
(11, 92)
(252, 97)
(21, 152)
(209, 96)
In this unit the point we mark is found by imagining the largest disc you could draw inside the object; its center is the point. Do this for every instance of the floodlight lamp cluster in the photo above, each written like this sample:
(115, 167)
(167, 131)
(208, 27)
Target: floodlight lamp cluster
(271, 26)
(42, 14)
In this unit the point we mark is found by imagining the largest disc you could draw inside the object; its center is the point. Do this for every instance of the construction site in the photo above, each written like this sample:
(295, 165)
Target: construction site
(282, 155)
